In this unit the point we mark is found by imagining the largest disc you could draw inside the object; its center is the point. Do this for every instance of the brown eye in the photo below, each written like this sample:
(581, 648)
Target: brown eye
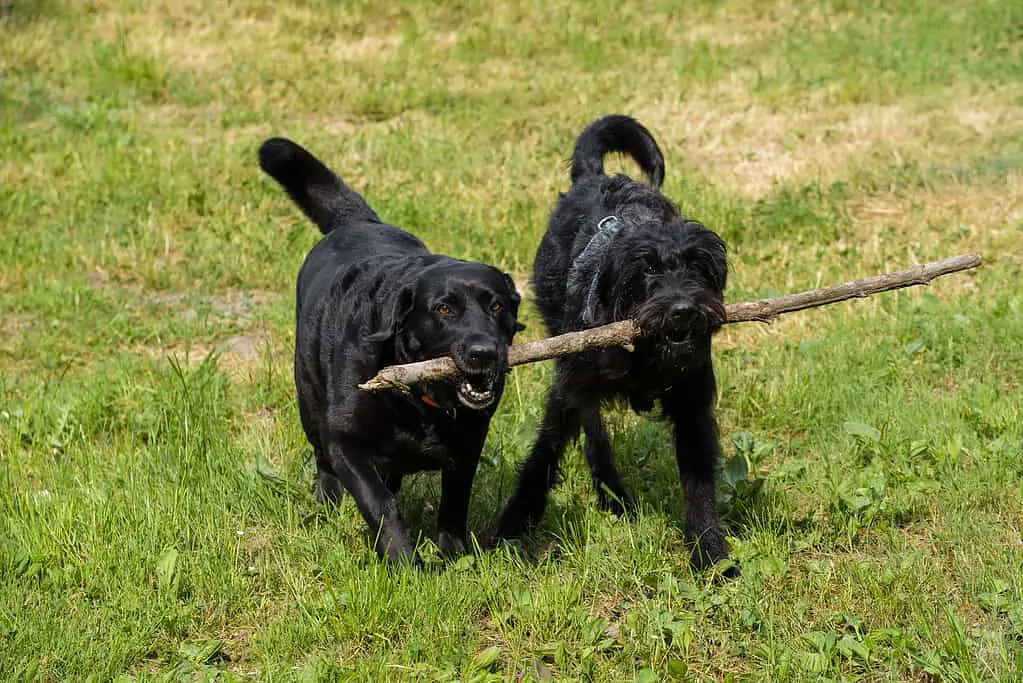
(496, 307)
(442, 309)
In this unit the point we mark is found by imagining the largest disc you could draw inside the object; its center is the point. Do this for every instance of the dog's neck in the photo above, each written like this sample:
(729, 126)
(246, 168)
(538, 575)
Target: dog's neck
(585, 270)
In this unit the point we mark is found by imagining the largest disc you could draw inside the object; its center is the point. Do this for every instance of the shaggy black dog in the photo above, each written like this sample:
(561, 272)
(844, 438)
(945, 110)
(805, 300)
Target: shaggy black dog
(371, 295)
(616, 249)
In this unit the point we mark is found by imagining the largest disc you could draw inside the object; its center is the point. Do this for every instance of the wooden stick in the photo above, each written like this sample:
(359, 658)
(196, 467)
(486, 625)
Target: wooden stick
(625, 332)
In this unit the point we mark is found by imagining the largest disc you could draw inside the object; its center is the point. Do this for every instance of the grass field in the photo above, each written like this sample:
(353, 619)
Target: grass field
(156, 514)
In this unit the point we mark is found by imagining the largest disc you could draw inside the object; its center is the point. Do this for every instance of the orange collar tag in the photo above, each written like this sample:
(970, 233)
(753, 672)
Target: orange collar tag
(429, 401)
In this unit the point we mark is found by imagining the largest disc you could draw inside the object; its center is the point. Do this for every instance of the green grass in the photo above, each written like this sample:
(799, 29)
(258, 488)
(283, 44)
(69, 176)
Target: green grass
(156, 514)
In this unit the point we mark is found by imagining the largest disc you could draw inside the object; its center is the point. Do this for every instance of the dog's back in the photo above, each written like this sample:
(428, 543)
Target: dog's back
(575, 218)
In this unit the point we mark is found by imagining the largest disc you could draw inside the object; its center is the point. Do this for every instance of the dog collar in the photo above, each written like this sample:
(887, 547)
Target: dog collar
(586, 266)
(607, 224)
(429, 402)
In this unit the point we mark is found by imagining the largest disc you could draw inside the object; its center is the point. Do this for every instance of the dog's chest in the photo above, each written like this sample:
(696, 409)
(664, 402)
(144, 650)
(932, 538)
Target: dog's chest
(641, 378)
(413, 450)
(414, 439)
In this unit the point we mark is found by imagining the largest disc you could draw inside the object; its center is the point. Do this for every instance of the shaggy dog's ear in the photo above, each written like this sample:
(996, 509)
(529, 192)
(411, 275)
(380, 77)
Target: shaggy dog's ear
(715, 258)
(513, 294)
(393, 317)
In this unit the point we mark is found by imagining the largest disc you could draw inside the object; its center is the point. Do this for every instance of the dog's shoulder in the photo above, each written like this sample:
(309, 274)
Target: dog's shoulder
(348, 285)
(344, 258)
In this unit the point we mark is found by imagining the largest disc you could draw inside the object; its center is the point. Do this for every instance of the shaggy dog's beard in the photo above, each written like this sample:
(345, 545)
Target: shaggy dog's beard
(672, 347)
(672, 342)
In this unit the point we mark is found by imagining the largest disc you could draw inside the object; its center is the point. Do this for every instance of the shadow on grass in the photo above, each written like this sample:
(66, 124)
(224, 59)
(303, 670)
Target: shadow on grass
(651, 477)
(644, 457)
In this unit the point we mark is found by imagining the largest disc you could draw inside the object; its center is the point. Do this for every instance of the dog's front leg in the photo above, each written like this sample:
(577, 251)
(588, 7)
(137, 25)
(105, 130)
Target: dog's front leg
(690, 407)
(606, 481)
(539, 473)
(376, 503)
(456, 488)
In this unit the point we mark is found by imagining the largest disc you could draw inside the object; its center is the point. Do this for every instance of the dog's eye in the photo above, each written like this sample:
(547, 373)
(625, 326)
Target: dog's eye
(651, 269)
(496, 307)
(442, 309)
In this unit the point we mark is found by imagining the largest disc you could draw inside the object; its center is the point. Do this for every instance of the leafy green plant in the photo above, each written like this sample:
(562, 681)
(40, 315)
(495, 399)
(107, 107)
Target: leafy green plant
(739, 479)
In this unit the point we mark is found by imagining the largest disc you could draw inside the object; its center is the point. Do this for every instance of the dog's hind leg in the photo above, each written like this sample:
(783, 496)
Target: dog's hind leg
(328, 487)
(697, 451)
(606, 481)
(393, 482)
(539, 473)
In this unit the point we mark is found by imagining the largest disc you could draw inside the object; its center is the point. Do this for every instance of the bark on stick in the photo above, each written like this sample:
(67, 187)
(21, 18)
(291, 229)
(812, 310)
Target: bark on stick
(625, 332)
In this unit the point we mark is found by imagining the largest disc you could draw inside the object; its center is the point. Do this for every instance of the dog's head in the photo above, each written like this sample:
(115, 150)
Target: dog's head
(670, 278)
(461, 309)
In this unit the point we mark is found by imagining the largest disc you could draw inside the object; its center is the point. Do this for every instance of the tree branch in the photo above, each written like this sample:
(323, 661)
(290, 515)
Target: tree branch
(623, 333)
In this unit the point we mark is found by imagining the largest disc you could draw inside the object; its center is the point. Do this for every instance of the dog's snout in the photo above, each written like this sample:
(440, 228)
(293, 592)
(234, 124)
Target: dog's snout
(682, 313)
(481, 353)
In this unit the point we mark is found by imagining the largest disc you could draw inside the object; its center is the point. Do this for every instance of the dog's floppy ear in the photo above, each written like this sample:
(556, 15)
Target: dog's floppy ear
(513, 294)
(394, 315)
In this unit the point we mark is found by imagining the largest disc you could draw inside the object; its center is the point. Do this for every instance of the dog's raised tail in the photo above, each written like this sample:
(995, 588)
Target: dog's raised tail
(315, 188)
(617, 133)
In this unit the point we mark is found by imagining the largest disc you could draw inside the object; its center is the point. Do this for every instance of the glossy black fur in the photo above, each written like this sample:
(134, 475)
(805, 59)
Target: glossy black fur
(665, 272)
(371, 295)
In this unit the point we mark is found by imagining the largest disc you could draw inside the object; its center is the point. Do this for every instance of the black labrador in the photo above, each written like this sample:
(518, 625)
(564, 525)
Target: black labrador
(370, 295)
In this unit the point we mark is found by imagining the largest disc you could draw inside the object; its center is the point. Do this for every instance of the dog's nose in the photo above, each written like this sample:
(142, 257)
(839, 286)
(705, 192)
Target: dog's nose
(481, 353)
(682, 313)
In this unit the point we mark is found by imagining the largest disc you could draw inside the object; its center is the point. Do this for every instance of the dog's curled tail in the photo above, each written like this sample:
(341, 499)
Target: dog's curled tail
(315, 188)
(617, 133)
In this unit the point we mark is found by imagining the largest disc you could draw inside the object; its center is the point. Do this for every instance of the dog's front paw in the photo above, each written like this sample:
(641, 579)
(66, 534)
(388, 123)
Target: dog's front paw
(404, 558)
(708, 549)
(619, 504)
(517, 519)
(450, 545)
(329, 490)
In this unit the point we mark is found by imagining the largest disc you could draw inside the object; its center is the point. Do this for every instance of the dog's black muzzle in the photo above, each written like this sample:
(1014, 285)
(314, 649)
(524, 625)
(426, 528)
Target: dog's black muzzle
(481, 362)
(678, 319)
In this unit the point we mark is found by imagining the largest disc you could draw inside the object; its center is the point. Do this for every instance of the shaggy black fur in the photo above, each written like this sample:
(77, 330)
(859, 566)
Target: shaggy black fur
(663, 271)
(371, 295)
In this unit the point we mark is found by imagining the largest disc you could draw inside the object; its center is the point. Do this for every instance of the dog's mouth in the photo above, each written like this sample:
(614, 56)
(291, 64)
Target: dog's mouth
(475, 392)
(677, 337)
(669, 332)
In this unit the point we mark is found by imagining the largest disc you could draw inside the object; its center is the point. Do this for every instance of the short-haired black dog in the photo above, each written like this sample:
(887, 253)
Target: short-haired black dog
(616, 249)
(371, 295)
